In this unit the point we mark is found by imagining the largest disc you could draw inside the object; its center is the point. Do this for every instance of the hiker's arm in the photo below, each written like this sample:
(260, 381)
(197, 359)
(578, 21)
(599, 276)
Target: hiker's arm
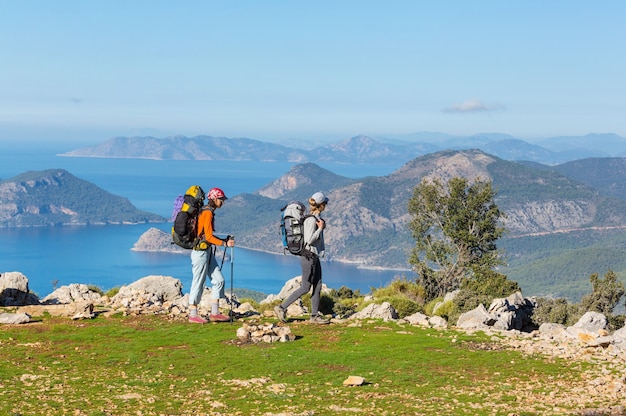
(206, 224)
(311, 230)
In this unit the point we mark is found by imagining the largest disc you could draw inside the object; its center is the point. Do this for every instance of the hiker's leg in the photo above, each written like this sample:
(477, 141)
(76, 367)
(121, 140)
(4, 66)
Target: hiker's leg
(316, 282)
(217, 285)
(199, 269)
(305, 286)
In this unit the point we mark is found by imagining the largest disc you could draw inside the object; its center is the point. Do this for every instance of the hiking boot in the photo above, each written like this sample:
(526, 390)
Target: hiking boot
(197, 319)
(281, 313)
(317, 319)
(219, 318)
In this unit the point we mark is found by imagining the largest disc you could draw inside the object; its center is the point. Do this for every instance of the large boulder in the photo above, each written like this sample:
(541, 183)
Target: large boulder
(151, 294)
(74, 292)
(477, 318)
(164, 288)
(384, 311)
(590, 326)
(14, 290)
(513, 312)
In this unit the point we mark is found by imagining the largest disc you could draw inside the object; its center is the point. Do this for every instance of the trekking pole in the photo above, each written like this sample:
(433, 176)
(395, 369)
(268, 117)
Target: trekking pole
(223, 257)
(232, 256)
(228, 237)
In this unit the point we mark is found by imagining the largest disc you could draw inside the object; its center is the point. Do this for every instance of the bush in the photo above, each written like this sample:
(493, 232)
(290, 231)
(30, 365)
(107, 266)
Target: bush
(112, 292)
(403, 305)
(446, 310)
(557, 311)
(96, 289)
(403, 287)
(430, 306)
(327, 304)
(345, 307)
(606, 294)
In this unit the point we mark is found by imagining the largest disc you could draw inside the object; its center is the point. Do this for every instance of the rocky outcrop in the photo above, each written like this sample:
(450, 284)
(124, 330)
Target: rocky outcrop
(513, 312)
(14, 290)
(74, 292)
(155, 240)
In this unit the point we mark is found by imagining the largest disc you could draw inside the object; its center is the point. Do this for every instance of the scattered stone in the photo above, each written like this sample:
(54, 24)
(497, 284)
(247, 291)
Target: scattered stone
(354, 381)
(83, 310)
(14, 318)
(265, 333)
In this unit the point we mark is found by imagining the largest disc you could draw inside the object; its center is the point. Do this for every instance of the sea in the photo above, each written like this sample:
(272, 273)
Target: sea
(101, 255)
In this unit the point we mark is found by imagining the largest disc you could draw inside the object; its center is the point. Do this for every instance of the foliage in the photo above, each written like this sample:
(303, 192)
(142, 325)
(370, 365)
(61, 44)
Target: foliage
(402, 304)
(96, 289)
(446, 310)
(558, 311)
(429, 307)
(406, 296)
(404, 287)
(455, 228)
(112, 292)
(345, 301)
(606, 294)
(560, 265)
(327, 303)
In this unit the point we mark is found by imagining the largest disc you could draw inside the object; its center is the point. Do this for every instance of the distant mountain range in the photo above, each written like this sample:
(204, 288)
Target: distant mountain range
(359, 149)
(56, 197)
(551, 219)
(565, 222)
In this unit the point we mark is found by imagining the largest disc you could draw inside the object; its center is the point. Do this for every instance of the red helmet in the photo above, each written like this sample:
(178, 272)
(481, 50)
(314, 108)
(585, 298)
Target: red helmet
(216, 193)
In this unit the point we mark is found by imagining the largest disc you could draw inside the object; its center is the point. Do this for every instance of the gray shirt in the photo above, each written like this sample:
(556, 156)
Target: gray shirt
(314, 236)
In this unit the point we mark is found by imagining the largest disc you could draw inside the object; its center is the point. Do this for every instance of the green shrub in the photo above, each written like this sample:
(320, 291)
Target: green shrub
(446, 310)
(96, 289)
(558, 311)
(606, 294)
(327, 304)
(401, 286)
(403, 305)
(251, 301)
(112, 292)
(430, 306)
(345, 292)
(345, 307)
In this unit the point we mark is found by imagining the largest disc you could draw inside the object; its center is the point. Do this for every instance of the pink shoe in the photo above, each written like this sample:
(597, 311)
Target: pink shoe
(219, 318)
(197, 319)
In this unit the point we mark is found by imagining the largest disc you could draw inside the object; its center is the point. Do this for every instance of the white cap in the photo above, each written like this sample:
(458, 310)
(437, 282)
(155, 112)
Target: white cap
(319, 198)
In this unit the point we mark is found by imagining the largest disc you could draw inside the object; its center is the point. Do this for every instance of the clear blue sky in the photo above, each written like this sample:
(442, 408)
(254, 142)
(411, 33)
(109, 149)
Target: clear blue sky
(271, 70)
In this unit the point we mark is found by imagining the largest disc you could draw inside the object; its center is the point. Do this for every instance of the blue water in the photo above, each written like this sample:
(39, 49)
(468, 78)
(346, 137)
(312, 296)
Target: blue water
(101, 255)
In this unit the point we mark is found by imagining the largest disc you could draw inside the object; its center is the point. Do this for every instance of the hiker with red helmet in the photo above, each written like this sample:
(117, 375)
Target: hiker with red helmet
(204, 263)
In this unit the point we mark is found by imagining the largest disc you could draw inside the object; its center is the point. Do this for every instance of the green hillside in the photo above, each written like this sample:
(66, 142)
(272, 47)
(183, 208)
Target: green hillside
(55, 197)
(572, 230)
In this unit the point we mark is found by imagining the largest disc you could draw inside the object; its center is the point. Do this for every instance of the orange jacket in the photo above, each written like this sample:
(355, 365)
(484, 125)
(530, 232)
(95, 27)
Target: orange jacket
(205, 227)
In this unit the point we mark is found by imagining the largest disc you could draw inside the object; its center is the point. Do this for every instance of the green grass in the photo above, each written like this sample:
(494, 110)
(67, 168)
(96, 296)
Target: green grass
(157, 366)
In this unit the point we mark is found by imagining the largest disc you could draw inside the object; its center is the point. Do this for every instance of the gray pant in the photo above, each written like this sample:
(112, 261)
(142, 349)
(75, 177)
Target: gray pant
(311, 277)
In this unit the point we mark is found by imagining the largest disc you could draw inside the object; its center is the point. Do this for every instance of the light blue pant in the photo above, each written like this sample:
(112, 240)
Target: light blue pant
(203, 264)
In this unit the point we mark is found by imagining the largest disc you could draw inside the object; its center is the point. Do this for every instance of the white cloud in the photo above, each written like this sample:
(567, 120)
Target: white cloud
(472, 106)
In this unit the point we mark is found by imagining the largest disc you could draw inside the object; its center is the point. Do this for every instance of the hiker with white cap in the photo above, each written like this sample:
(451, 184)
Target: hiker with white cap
(311, 267)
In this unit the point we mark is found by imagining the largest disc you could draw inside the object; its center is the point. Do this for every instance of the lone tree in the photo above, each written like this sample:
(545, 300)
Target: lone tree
(455, 228)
